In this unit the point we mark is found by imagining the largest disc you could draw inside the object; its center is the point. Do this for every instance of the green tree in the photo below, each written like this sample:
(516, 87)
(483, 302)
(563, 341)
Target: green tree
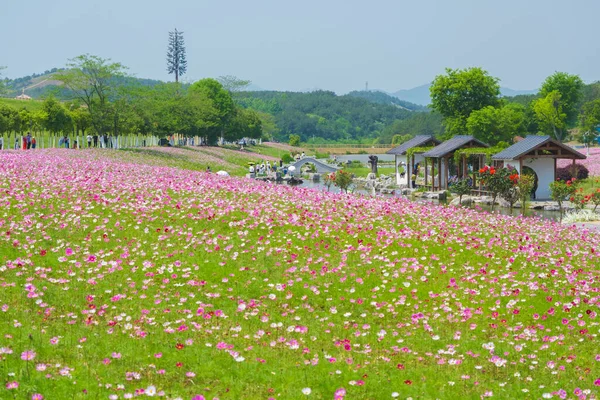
(550, 114)
(492, 125)
(217, 98)
(176, 62)
(343, 180)
(233, 84)
(81, 119)
(93, 81)
(58, 119)
(294, 140)
(589, 121)
(570, 89)
(459, 92)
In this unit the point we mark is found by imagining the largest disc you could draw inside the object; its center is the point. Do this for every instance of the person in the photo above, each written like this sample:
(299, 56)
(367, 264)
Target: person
(75, 144)
(89, 140)
(24, 147)
(33, 143)
(251, 169)
(66, 142)
(1, 143)
(280, 163)
(302, 156)
(28, 137)
(208, 168)
(95, 138)
(16, 143)
(268, 166)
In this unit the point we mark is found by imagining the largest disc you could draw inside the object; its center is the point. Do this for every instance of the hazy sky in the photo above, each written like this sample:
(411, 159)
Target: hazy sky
(306, 44)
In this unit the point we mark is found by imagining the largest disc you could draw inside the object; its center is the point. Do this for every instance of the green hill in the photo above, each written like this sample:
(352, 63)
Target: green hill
(375, 96)
(322, 116)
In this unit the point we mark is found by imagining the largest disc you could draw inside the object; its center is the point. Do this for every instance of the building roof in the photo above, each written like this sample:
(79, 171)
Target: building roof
(531, 143)
(452, 145)
(417, 141)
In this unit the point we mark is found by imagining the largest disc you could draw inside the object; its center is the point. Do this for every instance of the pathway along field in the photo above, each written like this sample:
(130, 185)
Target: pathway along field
(120, 279)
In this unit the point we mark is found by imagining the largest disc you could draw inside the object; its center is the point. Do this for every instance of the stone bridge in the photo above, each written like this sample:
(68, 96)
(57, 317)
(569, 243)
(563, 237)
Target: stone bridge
(322, 168)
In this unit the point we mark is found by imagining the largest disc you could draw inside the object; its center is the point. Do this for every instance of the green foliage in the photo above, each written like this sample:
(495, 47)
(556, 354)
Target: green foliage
(58, 120)
(589, 121)
(561, 191)
(287, 158)
(423, 123)
(500, 182)
(399, 139)
(294, 140)
(417, 150)
(492, 125)
(459, 92)
(377, 97)
(525, 185)
(343, 180)
(176, 62)
(90, 79)
(570, 89)
(488, 152)
(461, 188)
(323, 115)
(550, 114)
(233, 84)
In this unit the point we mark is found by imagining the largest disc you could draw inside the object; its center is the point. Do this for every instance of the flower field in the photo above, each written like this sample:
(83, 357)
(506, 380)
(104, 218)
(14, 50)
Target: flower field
(123, 278)
(592, 162)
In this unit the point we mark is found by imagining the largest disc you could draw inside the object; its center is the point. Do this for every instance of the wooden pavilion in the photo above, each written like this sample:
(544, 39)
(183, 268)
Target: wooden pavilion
(538, 153)
(443, 153)
(401, 156)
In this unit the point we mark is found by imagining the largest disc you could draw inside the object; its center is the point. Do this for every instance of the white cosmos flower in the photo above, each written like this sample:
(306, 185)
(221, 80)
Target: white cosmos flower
(306, 391)
(150, 391)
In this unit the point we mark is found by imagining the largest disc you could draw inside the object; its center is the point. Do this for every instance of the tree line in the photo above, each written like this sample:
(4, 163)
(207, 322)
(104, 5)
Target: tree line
(468, 102)
(104, 100)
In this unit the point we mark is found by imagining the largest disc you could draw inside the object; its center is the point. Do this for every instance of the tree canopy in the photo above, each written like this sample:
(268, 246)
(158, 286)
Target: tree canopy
(459, 92)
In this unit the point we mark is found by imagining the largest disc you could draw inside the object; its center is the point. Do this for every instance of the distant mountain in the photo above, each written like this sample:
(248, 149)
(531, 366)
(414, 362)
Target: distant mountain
(379, 97)
(506, 92)
(420, 94)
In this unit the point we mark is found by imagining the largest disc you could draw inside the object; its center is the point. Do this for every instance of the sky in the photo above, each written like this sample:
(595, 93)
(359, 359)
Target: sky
(300, 45)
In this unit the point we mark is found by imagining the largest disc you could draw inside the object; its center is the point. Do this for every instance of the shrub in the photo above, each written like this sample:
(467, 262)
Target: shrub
(321, 155)
(461, 188)
(343, 180)
(287, 158)
(525, 185)
(578, 171)
(294, 140)
(561, 191)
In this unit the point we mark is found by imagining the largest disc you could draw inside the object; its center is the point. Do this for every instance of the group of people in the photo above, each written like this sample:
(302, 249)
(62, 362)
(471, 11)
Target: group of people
(265, 168)
(26, 143)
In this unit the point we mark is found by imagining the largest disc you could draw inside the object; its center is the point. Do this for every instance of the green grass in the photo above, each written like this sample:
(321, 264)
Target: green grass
(32, 105)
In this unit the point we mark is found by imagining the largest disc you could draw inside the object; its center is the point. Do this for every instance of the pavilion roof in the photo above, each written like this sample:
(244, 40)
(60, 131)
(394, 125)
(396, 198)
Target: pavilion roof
(417, 141)
(453, 144)
(548, 147)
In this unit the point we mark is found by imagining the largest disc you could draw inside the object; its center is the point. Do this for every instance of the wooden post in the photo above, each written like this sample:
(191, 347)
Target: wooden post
(447, 172)
(425, 162)
(554, 176)
(440, 174)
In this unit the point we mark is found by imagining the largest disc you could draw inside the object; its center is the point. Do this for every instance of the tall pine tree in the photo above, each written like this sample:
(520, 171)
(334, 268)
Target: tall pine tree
(176, 62)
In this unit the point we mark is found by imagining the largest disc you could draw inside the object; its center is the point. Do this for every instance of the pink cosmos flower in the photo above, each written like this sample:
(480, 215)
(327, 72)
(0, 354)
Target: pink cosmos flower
(69, 251)
(12, 385)
(28, 355)
(37, 396)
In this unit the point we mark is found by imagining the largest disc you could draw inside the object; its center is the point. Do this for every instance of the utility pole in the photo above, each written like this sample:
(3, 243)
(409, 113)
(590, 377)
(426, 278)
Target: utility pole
(367, 86)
